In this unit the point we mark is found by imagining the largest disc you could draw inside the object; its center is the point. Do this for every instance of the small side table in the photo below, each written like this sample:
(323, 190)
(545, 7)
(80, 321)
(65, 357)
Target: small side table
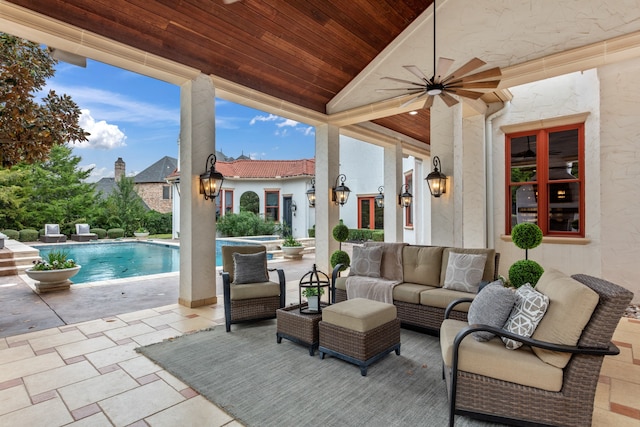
(297, 327)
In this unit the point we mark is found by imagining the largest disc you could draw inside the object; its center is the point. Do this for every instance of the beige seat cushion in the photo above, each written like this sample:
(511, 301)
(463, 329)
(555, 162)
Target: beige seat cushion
(341, 283)
(359, 314)
(492, 359)
(254, 290)
(409, 292)
(441, 298)
(422, 264)
(489, 266)
(571, 305)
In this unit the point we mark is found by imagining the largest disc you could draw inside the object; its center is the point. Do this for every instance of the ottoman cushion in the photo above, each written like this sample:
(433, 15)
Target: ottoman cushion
(359, 314)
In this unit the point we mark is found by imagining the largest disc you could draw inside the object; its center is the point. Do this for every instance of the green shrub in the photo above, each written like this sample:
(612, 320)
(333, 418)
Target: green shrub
(526, 235)
(115, 233)
(28, 235)
(377, 236)
(244, 224)
(312, 231)
(101, 232)
(341, 232)
(157, 223)
(525, 271)
(12, 234)
(340, 257)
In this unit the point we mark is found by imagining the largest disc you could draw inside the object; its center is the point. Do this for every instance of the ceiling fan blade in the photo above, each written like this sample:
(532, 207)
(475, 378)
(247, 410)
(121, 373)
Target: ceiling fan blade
(466, 93)
(492, 72)
(407, 89)
(429, 102)
(416, 72)
(473, 64)
(488, 84)
(412, 99)
(409, 82)
(229, 1)
(443, 66)
(448, 99)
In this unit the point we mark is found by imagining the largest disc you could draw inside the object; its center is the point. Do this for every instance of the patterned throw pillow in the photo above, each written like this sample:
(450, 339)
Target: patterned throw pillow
(526, 314)
(250, 268)
(492, 307)
(464, 272)
(366, 261)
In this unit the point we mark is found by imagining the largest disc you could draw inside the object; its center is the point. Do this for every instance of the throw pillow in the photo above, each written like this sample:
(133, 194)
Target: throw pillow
(52, 229)
(464, 272)
(250, 268)
(366, 261)
(527, 312)
(492, 306)
(83, 229)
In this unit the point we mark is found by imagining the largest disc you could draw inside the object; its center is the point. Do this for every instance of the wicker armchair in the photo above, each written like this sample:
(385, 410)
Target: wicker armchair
(492, 399)
(249, 301)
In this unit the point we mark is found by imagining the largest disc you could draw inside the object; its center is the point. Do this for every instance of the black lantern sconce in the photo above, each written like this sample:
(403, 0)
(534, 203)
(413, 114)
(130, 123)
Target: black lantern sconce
(294, 208)
(437, 180)
(211, 181)
(404, 199)
(340, 193)
(311, 194)
(380, 197)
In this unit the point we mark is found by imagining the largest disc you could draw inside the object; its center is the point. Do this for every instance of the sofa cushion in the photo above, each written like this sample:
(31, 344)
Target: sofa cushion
(564, 321)
(409, 292)
(464, 271)
(341, 283)
(366, 261)
(492, 359)
(489, 267)
(422, 264)
(527, 312)
(250, 268)
(254, 290)
(491, 307)
(359, 314)
(441, 298)
(391, 266)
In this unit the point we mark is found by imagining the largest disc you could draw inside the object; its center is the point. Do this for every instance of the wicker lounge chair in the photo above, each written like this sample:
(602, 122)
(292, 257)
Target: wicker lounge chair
(246, 299)
(494, 399)
(83, 233)
(52, 234)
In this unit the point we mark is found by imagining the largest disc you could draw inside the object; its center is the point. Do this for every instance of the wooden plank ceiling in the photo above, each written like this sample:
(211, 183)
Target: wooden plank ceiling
(301, 51)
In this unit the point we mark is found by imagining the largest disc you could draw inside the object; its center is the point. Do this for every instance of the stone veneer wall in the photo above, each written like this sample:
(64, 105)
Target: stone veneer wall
(151, 193)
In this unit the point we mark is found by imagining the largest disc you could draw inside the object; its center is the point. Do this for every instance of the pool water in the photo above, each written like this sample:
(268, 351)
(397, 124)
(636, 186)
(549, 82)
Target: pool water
(118, 260)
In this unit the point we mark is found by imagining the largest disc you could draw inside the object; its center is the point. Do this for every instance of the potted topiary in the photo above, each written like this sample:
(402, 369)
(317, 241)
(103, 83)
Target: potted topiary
(291, 248)
(53, 272)
(341, 234)
(526, 236)
(313, 299)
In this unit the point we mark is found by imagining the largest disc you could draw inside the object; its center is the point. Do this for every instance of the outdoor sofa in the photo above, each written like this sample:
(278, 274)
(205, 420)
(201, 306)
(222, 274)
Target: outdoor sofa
(420, 272)
(83, 233)
(52, 234)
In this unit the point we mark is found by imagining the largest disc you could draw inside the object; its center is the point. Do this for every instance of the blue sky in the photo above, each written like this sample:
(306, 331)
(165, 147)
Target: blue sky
(138, 118)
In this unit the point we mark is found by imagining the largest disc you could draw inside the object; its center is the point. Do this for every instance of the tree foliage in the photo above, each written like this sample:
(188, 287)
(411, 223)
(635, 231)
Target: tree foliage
(28, 129)
(124, 207)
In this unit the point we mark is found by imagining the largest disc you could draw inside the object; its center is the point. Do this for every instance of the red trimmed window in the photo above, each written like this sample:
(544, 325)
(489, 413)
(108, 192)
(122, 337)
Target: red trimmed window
(370, 216)
(272, 205)
(228, 201)
(545, 180)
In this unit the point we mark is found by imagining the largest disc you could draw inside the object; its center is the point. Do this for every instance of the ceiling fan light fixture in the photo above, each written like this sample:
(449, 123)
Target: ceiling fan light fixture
(435, 89)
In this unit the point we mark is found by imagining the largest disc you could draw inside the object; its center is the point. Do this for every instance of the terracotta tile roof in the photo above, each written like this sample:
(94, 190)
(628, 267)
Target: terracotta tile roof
(267, 168)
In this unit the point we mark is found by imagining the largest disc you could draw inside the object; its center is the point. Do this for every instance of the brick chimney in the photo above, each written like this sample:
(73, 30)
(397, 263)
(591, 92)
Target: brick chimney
(119, 169)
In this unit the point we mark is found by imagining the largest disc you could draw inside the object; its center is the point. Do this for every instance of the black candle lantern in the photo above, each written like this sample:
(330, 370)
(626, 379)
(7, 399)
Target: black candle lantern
(312, 287)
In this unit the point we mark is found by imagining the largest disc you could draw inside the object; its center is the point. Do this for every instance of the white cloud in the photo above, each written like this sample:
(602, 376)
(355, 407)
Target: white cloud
(287, 122)
(103, 136)
(269, 118)
(306, 131)
(97, 173)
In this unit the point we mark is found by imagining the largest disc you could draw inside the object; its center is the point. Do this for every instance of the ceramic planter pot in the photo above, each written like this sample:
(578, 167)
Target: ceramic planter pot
(292, 251)
(141, 234)
(52, 280)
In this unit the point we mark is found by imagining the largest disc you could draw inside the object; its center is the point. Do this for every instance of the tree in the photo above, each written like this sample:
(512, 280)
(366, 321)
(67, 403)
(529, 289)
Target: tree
(124, 207)
(13, 197)
(28, 129)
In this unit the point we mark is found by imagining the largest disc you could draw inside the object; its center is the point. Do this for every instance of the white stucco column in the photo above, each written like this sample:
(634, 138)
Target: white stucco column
(473, 182)
(446, 129)
(197, 215)
(393, 180)
(327, 213)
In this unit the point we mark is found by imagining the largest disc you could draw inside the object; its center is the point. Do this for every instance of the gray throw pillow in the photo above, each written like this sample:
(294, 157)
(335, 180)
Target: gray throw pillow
(464, 272)
(83, 228)
(527, 312)
(250, 268)
(492, 307)
(366, 261)
(52, 229)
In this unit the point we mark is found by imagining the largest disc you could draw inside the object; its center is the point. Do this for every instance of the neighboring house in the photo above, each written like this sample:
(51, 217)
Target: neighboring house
(150, 184)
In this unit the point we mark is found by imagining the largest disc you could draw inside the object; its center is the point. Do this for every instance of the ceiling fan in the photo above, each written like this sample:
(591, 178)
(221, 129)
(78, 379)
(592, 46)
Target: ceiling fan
(458, 82)
(528, 153)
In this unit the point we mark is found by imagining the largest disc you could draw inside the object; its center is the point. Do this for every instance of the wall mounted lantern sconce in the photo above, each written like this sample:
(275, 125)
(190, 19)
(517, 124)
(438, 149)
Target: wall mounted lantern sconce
(311, 194)
(211, 181)
(294, 208)
(437, 180)
(380, 197)
(404, 199)
(340, 193)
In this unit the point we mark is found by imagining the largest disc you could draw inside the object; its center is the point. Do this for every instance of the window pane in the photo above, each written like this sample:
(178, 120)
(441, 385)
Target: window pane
(365, 213)
(379, 217)
(272, 199)
(271, 214)
(564, 203)
(228, 201)
(523, 158)
(563, 154)
(524, 204)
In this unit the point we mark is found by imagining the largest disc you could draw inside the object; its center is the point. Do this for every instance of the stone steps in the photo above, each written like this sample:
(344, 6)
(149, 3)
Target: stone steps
(16, 257)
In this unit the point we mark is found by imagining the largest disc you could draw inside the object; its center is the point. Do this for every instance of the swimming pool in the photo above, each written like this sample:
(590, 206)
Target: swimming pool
(118, 260)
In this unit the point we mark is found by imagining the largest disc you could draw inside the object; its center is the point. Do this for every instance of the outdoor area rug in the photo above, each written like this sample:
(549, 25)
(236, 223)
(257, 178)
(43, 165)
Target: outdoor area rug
(262, 383)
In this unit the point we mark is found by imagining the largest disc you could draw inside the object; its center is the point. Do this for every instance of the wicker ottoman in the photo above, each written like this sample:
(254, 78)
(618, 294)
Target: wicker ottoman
(360, 331)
